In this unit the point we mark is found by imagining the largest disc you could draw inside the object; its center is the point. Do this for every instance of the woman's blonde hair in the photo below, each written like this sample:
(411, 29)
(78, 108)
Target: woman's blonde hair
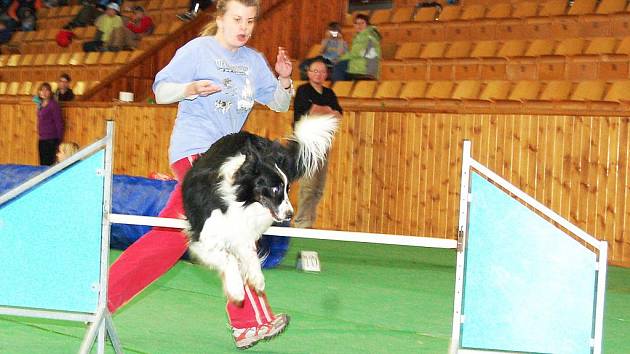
(211, 28)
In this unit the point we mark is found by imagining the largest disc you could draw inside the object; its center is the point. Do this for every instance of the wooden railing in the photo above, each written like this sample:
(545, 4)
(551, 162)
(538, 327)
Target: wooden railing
(398, 172)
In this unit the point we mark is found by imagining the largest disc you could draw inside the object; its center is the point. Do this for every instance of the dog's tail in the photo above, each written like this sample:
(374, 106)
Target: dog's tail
(314, 135)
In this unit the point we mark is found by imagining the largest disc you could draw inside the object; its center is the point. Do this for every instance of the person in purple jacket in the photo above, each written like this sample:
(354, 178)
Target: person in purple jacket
(49, 125)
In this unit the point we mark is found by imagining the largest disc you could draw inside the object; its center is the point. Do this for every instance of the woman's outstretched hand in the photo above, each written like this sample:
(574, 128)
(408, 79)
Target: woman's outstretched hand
(202, 88)
(283, 67)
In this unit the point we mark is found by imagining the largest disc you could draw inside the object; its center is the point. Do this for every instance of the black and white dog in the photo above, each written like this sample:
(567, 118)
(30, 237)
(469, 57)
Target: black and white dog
(238, 188)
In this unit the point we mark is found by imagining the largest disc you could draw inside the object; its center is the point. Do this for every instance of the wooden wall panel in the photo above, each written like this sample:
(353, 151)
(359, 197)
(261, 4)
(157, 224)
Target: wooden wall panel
(398, 172)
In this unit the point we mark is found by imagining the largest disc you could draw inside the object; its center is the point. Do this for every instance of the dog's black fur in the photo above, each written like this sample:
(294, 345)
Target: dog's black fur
(255, 179)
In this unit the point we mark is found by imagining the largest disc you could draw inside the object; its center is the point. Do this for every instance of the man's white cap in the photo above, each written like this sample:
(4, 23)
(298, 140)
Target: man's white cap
(113, 5)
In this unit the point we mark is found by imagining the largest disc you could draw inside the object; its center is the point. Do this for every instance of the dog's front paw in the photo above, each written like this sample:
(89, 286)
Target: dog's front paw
(256, 281)
(234, 289)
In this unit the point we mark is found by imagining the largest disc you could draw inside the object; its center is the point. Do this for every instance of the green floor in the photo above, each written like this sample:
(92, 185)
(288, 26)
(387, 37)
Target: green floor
(367, 299)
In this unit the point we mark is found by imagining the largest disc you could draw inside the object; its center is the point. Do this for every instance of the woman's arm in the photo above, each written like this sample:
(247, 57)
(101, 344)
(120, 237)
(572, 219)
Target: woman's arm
(171, 92)
(281, 97)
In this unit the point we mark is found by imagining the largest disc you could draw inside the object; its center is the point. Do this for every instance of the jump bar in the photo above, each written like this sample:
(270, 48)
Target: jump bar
(386, 239)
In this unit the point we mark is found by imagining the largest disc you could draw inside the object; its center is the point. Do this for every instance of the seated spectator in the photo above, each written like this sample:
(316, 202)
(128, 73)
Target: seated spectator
(64, 92)
(5, 33)
(333, 44)
(89, 12)
(362, 62)
(333, 47)
(193, 9)
(23, 12)
(105, 26)
(137, 26)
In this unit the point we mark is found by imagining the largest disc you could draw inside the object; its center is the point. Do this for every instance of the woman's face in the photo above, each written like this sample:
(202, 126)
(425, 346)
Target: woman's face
(317, 73)
(359, 24)
(235, 27)
(45, 93)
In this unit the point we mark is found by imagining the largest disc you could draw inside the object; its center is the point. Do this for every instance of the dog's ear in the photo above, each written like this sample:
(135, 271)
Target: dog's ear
(285, 158)
(252, 159)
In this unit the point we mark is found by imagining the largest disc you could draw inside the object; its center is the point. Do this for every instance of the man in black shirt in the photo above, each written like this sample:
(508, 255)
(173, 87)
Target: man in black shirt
(64, 92)
(313, 98)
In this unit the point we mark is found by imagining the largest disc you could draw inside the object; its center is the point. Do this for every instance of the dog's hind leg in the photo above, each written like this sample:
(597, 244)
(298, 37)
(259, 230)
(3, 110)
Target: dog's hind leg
(227, 266)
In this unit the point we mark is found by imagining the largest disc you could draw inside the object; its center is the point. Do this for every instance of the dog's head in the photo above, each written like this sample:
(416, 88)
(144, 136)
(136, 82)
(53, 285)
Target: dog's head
(266, 179)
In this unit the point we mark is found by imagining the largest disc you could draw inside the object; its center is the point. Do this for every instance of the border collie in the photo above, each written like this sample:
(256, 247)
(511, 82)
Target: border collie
(238, 188)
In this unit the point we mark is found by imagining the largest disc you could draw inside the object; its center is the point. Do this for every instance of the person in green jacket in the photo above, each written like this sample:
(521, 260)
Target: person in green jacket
(362, 62)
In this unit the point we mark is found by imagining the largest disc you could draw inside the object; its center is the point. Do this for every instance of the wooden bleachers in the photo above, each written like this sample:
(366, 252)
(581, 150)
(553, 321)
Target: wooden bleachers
(502, 21)
(613, 94)
(36, 57)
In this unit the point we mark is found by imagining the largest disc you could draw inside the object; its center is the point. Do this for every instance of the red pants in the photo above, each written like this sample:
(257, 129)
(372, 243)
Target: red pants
(158, 250)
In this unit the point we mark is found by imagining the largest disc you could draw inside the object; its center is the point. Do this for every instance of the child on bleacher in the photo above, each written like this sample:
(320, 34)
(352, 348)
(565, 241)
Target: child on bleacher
(333, 44)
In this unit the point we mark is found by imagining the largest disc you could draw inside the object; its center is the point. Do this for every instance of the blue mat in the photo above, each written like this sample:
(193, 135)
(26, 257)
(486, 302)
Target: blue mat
(138, 196)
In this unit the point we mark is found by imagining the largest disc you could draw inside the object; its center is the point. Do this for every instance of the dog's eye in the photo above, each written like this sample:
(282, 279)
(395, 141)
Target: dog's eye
(275, 190)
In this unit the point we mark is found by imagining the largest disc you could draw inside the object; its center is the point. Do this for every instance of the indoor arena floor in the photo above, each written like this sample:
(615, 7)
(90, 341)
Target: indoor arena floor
(367, 299)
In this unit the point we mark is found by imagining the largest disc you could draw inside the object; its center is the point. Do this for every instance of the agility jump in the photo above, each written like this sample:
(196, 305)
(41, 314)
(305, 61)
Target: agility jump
(485, 318)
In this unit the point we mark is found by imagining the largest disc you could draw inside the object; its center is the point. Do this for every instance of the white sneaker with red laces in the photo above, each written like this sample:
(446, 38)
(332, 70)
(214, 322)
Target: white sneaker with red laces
(247, 337)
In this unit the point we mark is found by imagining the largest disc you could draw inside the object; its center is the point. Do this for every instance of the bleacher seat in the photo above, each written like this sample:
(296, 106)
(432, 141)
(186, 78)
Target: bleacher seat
(315, 50)
(380, 16)
(624, 47)
(484, 49)
(13, 88)
(556, 91)
(76, 58)
(450, 13)
(553, 8)
(413, 89)
(402, 14)
(79, 88)
(512, 48)
(473, 12)
(388, 89)
(495, 90)
(343, 88)
(364, 89)
(601, 45)
(523, 9)
(582, 7)
(408, 50)
(440, 89)
(425, 14)
(91, 58)
(540, 47)
(570, 46)
(589, 90)
(64, 58)
(619, 91)
(606, 7)
(499, 10)
(14, 60)
(459, 49)
(467, 89)
(25, 88)
(524, 91)
(433, 50)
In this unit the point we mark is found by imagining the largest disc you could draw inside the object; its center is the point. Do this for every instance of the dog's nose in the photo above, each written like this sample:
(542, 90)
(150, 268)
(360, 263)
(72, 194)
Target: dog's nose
(289, 215)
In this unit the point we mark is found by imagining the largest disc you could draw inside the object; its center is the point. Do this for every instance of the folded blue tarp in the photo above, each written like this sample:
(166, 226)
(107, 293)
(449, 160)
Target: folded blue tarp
(138, 196)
